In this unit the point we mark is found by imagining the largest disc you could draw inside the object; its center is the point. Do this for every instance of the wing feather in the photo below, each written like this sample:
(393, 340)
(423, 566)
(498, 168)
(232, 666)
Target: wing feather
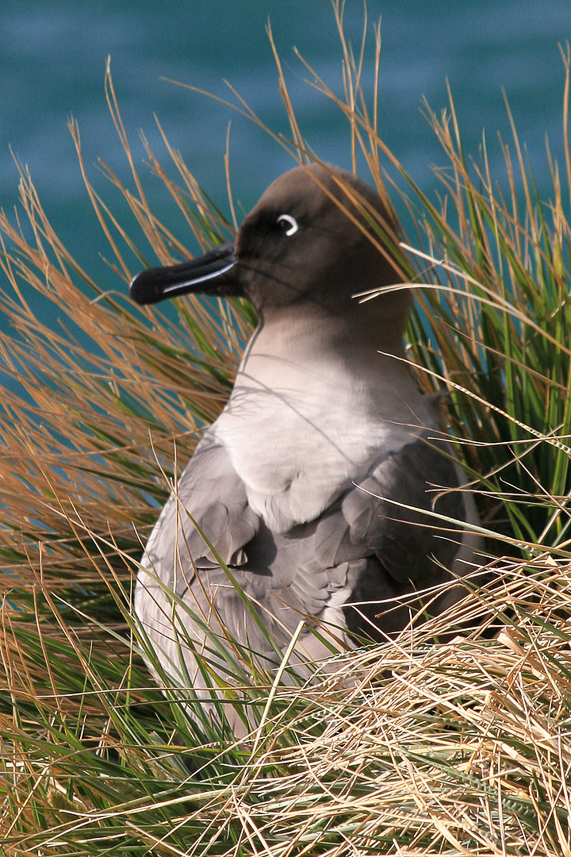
(389, 513)
(210, 499)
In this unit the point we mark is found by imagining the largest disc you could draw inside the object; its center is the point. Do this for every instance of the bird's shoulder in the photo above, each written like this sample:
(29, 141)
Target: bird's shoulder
(397, 512)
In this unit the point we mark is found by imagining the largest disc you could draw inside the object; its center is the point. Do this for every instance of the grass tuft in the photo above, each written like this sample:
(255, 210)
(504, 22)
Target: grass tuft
(414, 747)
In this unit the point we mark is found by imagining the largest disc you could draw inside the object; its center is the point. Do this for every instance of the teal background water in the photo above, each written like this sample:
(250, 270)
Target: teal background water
(52, 61)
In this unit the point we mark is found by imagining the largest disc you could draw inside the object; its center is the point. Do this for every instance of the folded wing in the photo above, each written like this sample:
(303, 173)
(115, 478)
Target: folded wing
(378, 542)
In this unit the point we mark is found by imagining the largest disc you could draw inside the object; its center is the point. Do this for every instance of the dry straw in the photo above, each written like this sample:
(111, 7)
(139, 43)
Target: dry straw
(425, 745)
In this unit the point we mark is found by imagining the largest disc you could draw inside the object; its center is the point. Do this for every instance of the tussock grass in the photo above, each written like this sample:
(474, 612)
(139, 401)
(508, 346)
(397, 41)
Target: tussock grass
(415, 747)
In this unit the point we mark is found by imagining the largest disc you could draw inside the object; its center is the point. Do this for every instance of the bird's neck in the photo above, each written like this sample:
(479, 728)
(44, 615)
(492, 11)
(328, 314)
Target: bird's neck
(312, 336)
(335, 357)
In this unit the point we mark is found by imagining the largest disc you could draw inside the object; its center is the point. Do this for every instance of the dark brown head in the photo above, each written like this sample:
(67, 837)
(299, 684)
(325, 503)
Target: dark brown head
(306, 242)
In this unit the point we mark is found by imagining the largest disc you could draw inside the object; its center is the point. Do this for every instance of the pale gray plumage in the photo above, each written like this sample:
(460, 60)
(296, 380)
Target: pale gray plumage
(303, 486)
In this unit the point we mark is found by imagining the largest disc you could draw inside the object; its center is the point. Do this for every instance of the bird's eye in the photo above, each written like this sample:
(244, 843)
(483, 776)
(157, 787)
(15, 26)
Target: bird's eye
(288, 224)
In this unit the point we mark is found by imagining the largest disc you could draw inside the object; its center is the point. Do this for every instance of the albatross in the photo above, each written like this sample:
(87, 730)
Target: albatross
(315, 496)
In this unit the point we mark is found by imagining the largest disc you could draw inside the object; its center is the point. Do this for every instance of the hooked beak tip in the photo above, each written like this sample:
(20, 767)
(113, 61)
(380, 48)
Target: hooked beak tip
(142, 288)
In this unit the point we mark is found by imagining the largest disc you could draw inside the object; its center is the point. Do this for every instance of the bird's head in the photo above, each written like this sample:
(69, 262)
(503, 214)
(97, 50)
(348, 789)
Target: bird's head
(317, 237)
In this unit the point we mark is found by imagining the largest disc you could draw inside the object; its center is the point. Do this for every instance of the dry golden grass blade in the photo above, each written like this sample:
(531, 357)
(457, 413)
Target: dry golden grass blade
(422, 746)
(297, 137)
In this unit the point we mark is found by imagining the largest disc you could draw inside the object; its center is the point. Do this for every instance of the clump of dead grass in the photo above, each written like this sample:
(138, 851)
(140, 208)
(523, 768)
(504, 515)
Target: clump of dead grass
(414, 747)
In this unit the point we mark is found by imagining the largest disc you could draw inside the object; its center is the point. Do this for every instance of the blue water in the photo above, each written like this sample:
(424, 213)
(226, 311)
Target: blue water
(52, 61)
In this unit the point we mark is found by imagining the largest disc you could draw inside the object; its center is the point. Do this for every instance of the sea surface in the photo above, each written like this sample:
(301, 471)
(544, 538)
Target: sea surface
(53, 55)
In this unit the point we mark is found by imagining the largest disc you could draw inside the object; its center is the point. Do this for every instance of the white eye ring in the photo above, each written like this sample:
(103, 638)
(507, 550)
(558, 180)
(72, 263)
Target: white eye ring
(287, 218)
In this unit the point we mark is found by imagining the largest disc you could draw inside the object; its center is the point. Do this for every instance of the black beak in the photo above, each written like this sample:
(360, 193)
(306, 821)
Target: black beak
(208, 274)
